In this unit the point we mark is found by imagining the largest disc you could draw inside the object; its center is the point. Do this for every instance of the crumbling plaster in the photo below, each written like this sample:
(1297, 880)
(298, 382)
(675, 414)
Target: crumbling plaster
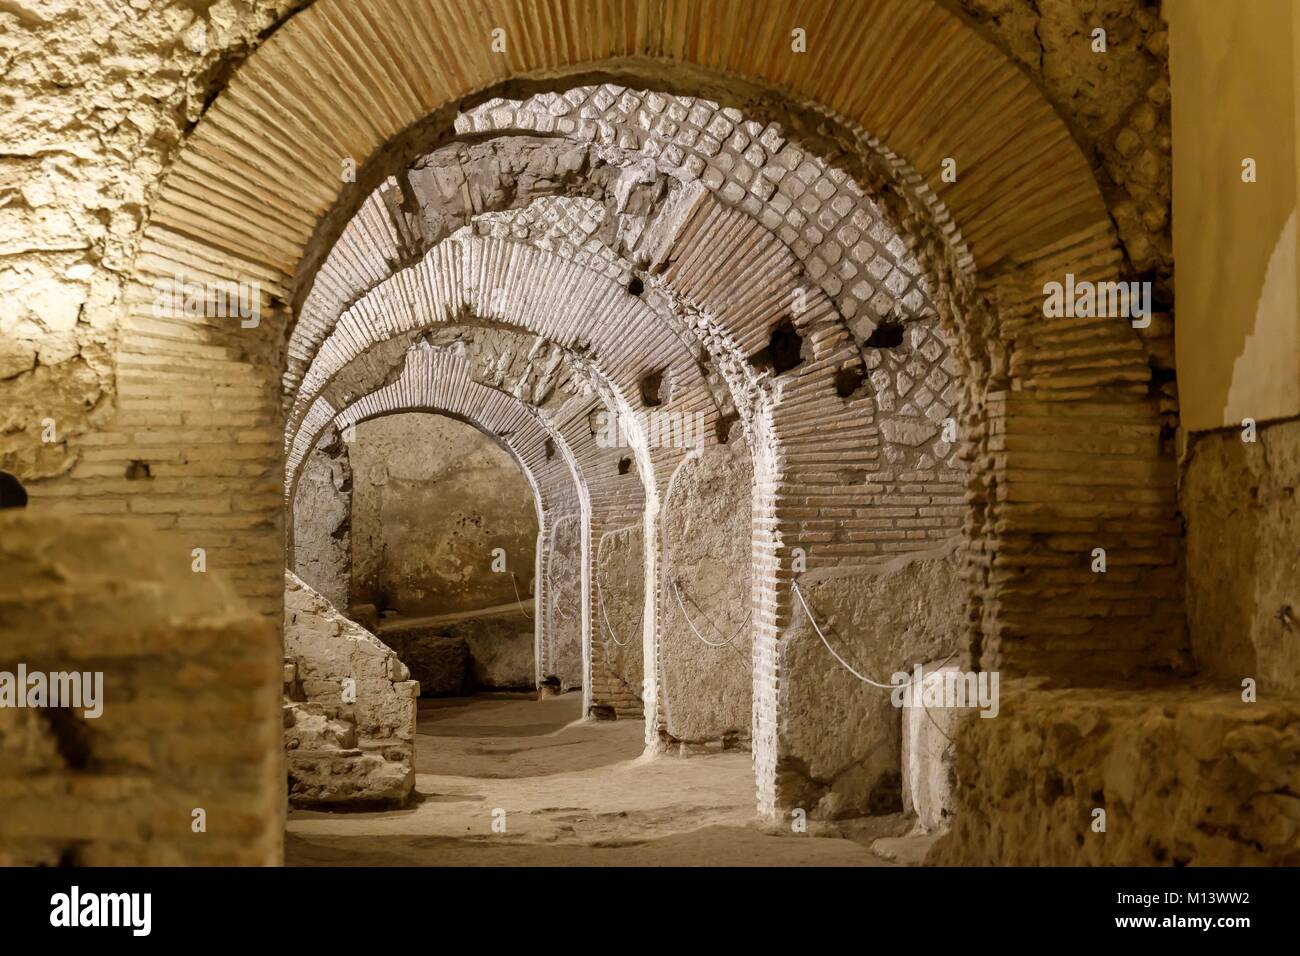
(432, 500)
(840, 739)
(706, 533)
(565, 586)
(1243, 560)
(619, 577)
(322, 524)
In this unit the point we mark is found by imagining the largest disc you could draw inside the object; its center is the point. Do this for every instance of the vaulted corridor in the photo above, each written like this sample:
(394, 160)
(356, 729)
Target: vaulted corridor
(633, 432)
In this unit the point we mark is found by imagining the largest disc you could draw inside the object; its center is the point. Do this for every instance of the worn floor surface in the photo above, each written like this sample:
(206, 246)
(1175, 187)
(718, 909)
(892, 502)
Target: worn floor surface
(570, 793)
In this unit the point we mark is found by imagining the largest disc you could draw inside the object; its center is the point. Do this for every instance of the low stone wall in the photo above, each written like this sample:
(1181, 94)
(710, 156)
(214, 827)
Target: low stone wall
(493, 652)
(1185, 776)
(339, 675)
(329, 768)
(840, 740)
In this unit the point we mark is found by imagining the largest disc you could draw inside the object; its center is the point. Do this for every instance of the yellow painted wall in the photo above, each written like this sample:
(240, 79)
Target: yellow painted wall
(1232, 65)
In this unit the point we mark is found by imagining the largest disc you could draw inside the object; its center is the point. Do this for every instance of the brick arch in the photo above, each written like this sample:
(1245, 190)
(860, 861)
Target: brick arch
(257, 184)
(520, 287)
(608, 497)
(353, 272)
(1026, 182)
(490, 185)
(385, 358)
(379, 239)
(449, 289)
(439, 379)
(523, 155)
(459, 277)
(382, 354)
(1003, 357)
(439, 382)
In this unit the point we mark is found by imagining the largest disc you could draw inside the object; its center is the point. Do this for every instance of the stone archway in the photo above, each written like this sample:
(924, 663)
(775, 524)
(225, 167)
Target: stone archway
(440, 382)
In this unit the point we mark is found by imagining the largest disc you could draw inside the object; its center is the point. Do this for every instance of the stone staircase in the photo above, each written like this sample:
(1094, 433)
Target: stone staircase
(612, 698)
(328, 764)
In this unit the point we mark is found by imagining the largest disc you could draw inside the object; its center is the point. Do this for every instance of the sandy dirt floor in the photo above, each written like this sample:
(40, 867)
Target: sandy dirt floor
(570, 792)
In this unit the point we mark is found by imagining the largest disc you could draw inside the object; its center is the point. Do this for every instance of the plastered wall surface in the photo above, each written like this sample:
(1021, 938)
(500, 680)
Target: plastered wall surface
(706, 637)
(322, 529)
(1234, 85)
(432, 499)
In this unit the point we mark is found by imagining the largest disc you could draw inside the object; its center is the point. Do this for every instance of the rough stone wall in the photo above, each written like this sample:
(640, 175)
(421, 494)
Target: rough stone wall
(432, 499)
(502, 655)
(839, 745)
(1185, 777)
(327, 769)
(706, 539)
(322, 525)
(98, 96)
(326, 651)
(1243, 560)
(618, 648)
(458, 657)
(190, 703)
